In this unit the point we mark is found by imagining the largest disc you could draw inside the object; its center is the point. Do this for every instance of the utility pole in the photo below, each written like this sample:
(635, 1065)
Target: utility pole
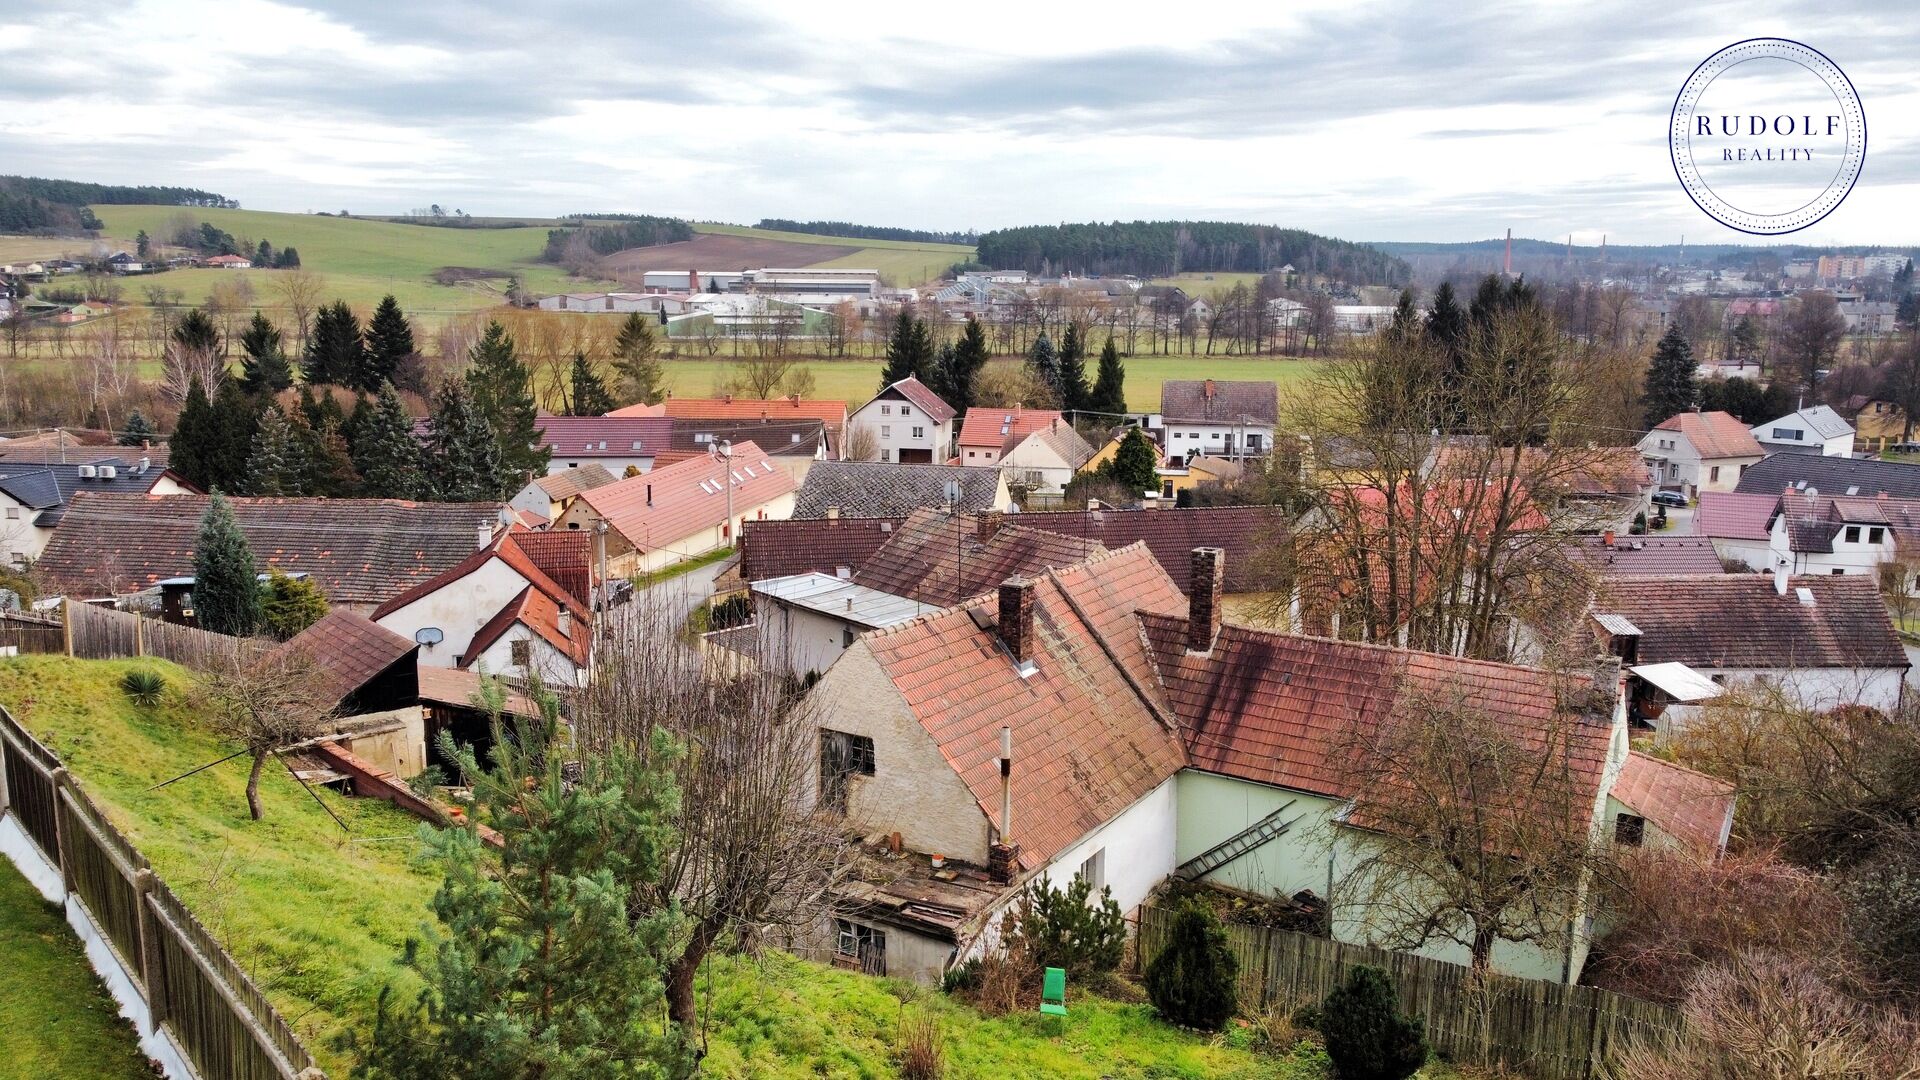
(723, 453)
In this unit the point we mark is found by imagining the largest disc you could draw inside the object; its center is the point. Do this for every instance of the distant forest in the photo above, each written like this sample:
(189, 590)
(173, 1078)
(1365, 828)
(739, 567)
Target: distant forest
(30, 204)
(865, 232)
(1160, 248)
(643, 230)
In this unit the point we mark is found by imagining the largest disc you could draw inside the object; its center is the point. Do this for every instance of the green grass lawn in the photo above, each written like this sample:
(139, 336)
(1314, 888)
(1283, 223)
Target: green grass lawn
(57, 1022)
(319, 920)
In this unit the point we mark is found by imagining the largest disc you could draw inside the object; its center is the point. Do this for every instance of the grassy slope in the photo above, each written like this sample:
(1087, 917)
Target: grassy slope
(900, 262)
(320, 921)
(56, 1021)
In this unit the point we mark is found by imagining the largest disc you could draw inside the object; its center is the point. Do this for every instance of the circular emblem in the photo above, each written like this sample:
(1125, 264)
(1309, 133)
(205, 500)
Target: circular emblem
(1768, 136)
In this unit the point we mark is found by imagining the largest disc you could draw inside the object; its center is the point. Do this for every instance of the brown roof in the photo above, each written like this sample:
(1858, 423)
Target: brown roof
(1739, 621)
(605, 436)
(1275, 708)
(565, 555)
(780, 438)
(1814, 521)
(12, 451)
(770, 549)
(359, 551)
(921, 395)
(1726, 515)
(1086, 745)
(1173, 534)
(831, 413)
(1632, 556)
(1219, 401)
(1064, 441)
(1003, 429)
(562, 485)
(348, 649)
(669, 504)
(936, 558)
(1693, 808)
(459, 686)
(1714, 435)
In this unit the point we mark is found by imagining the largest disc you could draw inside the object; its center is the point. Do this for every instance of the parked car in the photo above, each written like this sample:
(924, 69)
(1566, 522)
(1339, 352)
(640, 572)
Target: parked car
(1670, 498)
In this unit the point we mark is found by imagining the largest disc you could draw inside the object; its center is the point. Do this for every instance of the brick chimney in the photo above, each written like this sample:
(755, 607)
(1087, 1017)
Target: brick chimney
(833, 513)
(1016, 618)
(986, 525)
(1208, 390)
(1203, 598)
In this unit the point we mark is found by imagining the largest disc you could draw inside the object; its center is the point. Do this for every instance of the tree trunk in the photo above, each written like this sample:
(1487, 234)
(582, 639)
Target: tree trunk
(253, 784)
(681, 1008)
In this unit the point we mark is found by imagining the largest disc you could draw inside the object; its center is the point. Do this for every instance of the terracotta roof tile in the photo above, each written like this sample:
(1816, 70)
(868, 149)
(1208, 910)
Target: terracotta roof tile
(1714, 435)
(936, 558)
(831, 413)
(1726, 515)
(669, 504)
(1633, 556)
(605, 436)
(1219, 401)
(1693, 808)
(1241, 531)
(1003, 429)
(348, 649)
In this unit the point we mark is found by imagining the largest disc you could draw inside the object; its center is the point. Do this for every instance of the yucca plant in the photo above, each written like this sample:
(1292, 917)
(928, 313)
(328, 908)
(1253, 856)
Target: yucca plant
(143, 687)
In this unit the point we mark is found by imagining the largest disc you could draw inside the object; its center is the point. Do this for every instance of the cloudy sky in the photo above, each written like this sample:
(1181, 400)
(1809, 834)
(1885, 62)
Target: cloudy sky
(1364, 120)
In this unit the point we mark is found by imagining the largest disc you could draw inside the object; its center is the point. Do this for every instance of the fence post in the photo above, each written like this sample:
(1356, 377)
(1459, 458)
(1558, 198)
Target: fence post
(62, 842)
(139, 635)
(66, 623)
(150, 974)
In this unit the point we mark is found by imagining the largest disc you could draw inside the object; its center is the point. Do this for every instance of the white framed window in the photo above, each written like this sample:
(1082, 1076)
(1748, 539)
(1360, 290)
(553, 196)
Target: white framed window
(886, 431)
(886, 410)
(1094, 869)
(919, 432)
(904, 411)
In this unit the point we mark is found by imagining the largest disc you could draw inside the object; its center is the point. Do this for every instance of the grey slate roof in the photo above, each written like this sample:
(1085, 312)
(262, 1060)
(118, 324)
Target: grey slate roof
(1824, 422)
(1830, 476)
(48, 487)
(878, 489)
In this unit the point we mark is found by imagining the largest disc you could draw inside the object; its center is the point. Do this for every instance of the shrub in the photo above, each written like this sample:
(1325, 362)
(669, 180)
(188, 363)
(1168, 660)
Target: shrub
(1059, 928)
(962, 978)
(922, 1049)
(1367, 1038)
(1191, 982)
(143, 687)
(291, 604)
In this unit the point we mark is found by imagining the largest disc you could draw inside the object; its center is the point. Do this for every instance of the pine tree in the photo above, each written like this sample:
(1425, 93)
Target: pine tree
(192, 449)
(1447, 326)
(335, 350)
(589, 397)
(1109, 393)
(357, 418)
(1670, 377)
(1191, 982)
(1072, 366)
(195, 332)
(291, 604)
(389, 347)
(236, 418)
(969, 358)
(502, 391)
(548, 958)
(636, 368)
(463, 456)
(143, 245)
(226, 586)
(1044, 365)
(910, 349)
(274, 467)
(386, 451)
(265, 369)
(939, 376)
(1367, 1037)
(139, 430)
(330, 472)
(1134, 463)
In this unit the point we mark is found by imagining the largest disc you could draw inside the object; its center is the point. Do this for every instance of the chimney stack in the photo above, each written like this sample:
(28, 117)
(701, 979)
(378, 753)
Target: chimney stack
(1209, 390)
(1203, 598)
(1780, 577)
(833, 513)
(1016, 618)
(1003, 858)
(986, 525)
(482, 535)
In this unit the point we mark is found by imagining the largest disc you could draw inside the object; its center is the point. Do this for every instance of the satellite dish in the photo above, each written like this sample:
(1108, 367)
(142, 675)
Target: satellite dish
(429, 635)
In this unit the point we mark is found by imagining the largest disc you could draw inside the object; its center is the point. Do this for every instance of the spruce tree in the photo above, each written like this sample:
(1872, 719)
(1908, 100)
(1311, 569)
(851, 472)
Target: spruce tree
(236, 417)
(1191, 982)
(357, 418)
(1134, 463)
(389, 347)
(192, 449)
(1044, 365)
(226, 586)
(589, 397)
(139, 430)
(1109, 393)
(330, 472)
(1670, 377)
(1367, 1037)
(636, 368)
(1447, 326)
(463, 456)
(502, 393)
(335, 351)
(910, 349)
(274, 467)
(195, 332)
(264, 370)
(939, 376)
(386, 452)
(969, 358)
(1072, 366)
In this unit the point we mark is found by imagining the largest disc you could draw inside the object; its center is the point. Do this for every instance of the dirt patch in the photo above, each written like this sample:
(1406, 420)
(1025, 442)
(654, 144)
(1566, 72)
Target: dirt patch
(715, 251)
(453, 275)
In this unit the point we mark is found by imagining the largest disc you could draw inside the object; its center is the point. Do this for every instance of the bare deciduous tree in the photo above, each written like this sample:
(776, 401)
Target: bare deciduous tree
(301, 291)
(265, 704)
(860, 444)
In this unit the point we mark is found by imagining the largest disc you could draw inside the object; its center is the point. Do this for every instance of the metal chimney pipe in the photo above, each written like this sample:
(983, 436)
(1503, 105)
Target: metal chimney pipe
(1006, 785)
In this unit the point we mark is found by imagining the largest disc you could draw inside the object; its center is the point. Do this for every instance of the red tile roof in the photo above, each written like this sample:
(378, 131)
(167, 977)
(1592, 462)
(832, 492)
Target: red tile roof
(1714, 435)
(1219, 401)
(1086, 745)
(348, 649)
(1275, 708)
(359, 551)
(669, 504)
(1632, 556)
(506, 548)
(1726, 515)
(1003, 429)
(770, 549)
(1739, 621)
(831, 413)
(922, 396)
(538, 612)
(936, 558)
(1693, 808)
(565, 555)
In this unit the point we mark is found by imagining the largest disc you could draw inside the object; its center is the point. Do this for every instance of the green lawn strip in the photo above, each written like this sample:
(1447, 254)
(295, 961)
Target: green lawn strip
(684, 566)
(56, 1019)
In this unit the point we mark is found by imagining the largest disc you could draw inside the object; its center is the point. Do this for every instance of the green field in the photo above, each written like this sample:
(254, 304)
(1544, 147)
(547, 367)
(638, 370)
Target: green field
(56, 1021)
(319, 918)
(900, 262)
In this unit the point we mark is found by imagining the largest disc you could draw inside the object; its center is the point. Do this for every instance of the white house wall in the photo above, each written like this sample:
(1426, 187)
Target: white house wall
(810, 641)
(1139, 845)
(1215, 440)
(458, 610)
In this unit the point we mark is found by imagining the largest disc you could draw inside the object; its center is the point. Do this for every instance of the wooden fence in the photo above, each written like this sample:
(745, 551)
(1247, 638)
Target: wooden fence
(192, 987)
(1551, 1031)
(102, 633)
(21, 633)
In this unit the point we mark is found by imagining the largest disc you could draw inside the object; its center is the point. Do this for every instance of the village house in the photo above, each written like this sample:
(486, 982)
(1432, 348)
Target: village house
(616, 442)
(1812, 429)
(867, 489)
(1812, 533)
(1738, 525)
(1696, 451)
(545, 496)
(34, 496)
(909, 424)
(1090, 720)
(1882, 424)
(833, 414)
(794, 445)
(1832, 476)
(1198, 472)
(1043, 463)
(361, 552)
(987, 434)
(497, 611)
(1216, 416)
(684, 510)
(229, 262)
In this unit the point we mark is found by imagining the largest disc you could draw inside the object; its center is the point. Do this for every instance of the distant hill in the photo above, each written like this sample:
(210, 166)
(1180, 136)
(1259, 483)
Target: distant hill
(865, 232)
(1162, 248)
(33, 205)
(1627, 252)
(614, 235)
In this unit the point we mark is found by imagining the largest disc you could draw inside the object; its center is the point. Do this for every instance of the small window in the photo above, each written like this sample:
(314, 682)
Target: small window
(1875, 535)
(1853, 534)
(1713, 474)
(521, 651)
(886, 410)
(919, 433)
(847, 636)
(904, 411)
(1094, 869)
(886, 431)
(969, 453)
(13, 513)
(859, 947)
(1629, 829)
(886, 454)
(842, 756)
(1837, 571)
